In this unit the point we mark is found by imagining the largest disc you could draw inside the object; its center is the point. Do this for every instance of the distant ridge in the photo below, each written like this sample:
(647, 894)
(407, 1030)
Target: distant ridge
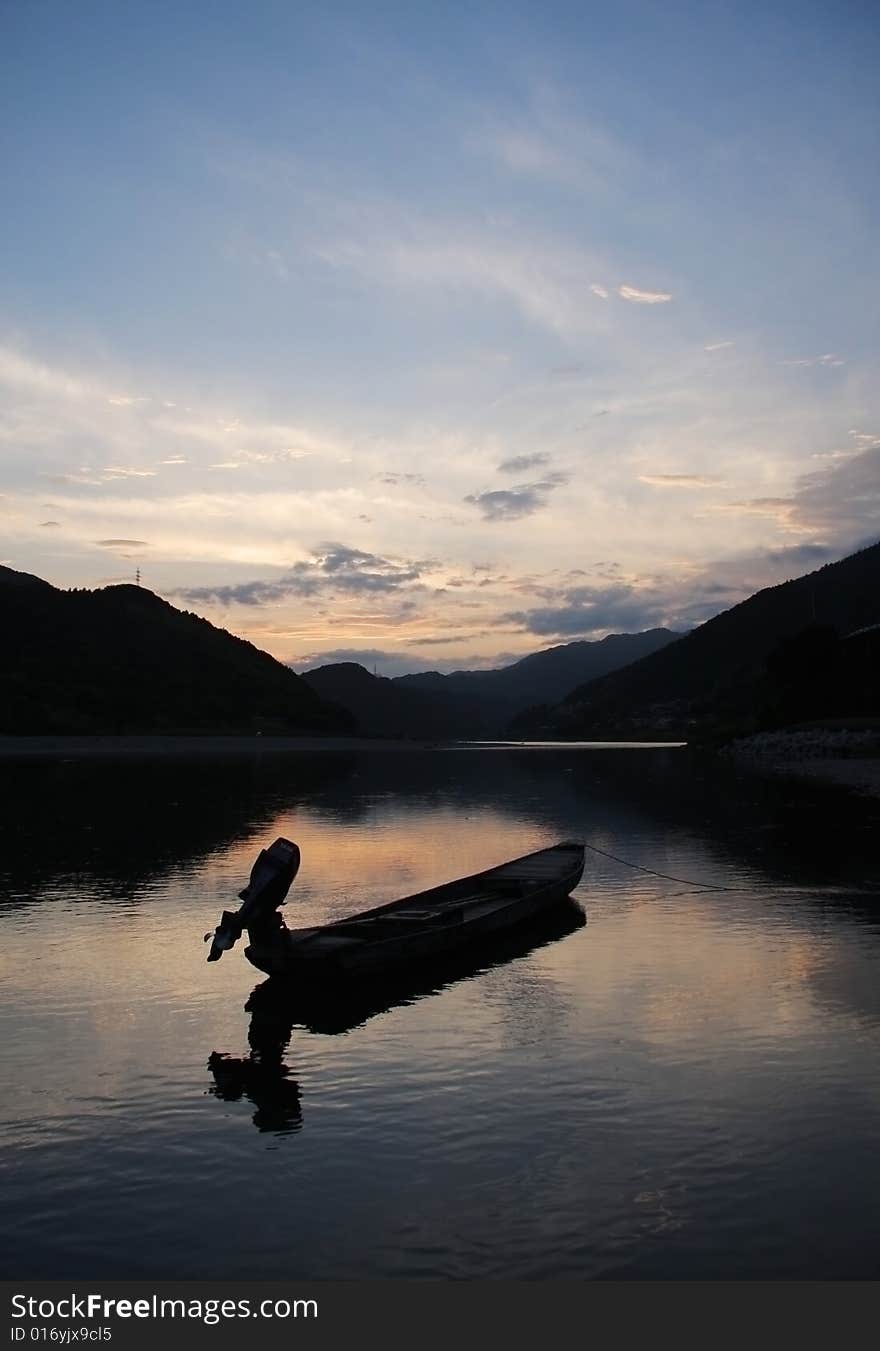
(120, 660)
(9, 577)
(386, 708)
(781, 653)
(552, 672)
(475, 703)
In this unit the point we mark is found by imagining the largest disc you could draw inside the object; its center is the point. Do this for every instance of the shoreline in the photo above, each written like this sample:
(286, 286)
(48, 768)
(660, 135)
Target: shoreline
(852, 767)
(855, 775)
(162, 744)
(859, 776)
(837, 757)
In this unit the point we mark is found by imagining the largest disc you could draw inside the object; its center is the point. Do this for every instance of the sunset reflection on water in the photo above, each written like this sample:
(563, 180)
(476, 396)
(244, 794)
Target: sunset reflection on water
(684, 1085)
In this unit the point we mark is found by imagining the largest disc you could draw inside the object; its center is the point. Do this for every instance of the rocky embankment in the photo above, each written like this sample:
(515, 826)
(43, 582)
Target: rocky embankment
(846, 756)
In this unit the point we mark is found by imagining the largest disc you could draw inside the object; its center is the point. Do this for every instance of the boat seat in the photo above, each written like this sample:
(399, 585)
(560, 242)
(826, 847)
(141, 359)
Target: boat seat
(361, 928)
(327, 941)
(420, 916)
(416, 918)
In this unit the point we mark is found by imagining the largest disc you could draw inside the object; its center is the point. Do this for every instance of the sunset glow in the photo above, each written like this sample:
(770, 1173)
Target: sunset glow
(431, 336)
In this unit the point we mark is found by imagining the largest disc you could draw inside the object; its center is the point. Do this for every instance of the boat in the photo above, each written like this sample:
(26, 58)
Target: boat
(336, 1007)
(401, 934)
(333, 1008)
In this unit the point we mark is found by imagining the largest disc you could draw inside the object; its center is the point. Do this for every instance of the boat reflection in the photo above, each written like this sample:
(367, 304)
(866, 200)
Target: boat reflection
(332, 1009)
(277, 1008)
(263, 1078)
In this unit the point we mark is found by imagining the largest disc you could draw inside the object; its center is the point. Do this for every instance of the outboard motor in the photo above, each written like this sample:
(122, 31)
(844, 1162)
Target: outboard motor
(270, 881)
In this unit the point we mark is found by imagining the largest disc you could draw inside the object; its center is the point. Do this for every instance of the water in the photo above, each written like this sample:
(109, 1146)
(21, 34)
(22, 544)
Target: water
(686, 1085)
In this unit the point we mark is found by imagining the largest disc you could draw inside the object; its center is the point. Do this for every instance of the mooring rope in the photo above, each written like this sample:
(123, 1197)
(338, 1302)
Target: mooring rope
(697, 887)
(687, 881)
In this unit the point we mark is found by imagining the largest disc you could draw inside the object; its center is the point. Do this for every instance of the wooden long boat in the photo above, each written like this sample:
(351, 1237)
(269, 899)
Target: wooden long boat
(402, 933)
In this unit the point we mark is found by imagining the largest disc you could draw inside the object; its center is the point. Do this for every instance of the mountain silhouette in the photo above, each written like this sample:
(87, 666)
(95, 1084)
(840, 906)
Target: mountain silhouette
(385, 708)
(475, 703)
(120, 659)
(805, 649)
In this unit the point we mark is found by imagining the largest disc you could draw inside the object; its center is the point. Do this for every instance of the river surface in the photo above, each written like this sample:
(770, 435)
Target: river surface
(679, 1077)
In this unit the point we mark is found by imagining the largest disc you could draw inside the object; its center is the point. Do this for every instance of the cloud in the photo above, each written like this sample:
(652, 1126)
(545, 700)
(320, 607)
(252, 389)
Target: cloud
(333, 568)
(276, 264)
(827, 359)
(839, 502)
(52, 415)
(515, 503)
(543, 277)
(782, 510)
(800, 557)
(519, 464)
(550, 274)
(587, 610)
(369, 657)
(680, 480)
(21, 371)
(45, 524)
(524, 152)
(728, 581)
(123, 543)
(637, 297)
(398, 663)
(677, 600)
(77, 480)
(442, 641)
(548, 138)
(717, 346)
(203, 531)
(842, 501)
(394, 480)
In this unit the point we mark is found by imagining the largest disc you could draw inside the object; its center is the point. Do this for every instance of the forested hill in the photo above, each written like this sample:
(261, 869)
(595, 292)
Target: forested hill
(475, 703)
(784, 654)
(120, 659)
(545, 676)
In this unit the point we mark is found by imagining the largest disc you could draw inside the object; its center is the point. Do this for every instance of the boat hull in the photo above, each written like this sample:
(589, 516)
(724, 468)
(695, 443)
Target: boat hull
(434, 924)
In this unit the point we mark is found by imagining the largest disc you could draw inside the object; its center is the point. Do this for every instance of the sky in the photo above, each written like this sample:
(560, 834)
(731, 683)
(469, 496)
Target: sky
(431, 335)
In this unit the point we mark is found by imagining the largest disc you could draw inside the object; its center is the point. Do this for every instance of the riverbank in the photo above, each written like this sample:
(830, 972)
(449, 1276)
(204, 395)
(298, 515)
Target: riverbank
(87, 747)
(846, 757)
